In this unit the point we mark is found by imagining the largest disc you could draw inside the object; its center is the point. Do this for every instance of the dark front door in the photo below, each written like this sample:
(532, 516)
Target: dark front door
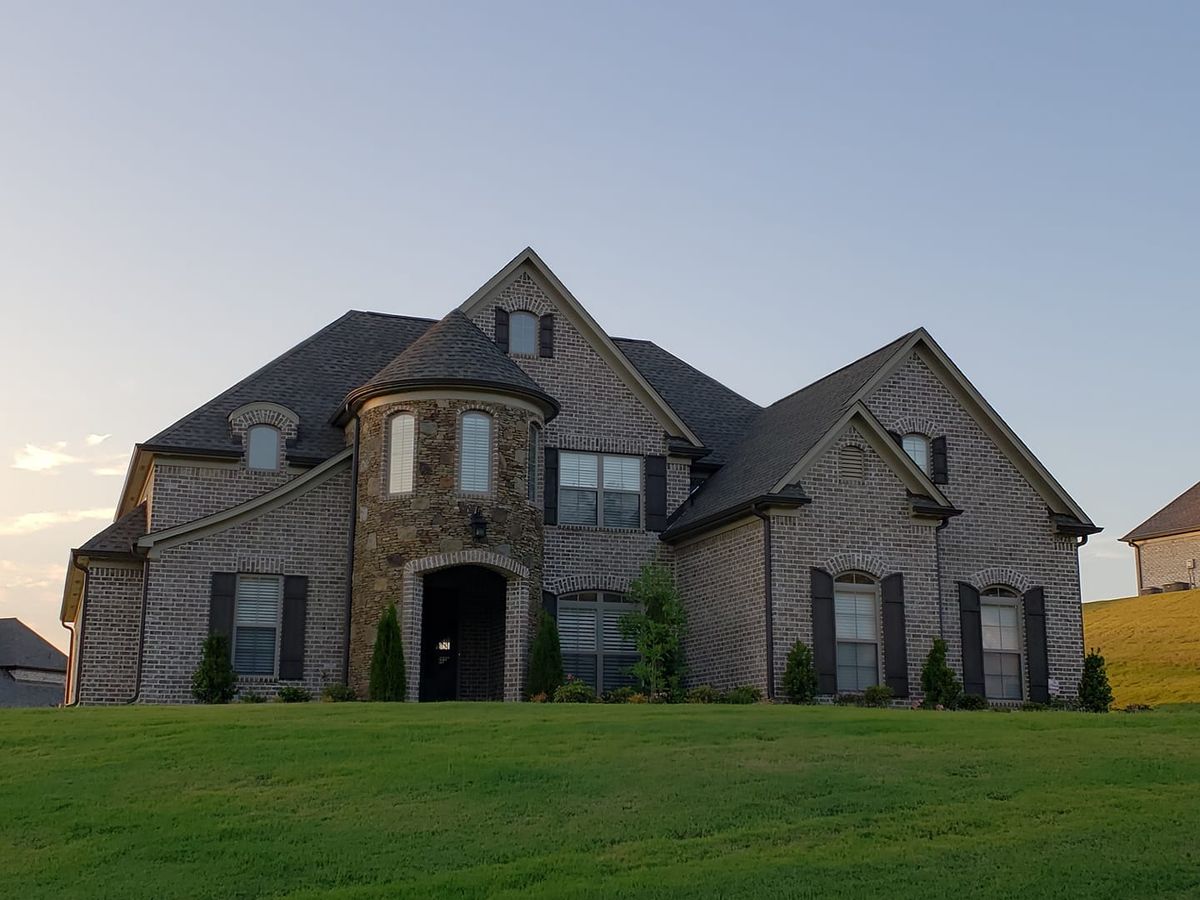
(439, 646)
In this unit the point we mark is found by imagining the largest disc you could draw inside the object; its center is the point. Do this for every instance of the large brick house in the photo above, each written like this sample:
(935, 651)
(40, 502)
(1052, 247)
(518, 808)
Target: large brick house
(1167, 545)
(513, 457)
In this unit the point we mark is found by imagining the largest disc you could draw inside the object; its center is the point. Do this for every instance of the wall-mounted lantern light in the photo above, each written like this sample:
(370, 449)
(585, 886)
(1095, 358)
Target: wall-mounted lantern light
(478, 525)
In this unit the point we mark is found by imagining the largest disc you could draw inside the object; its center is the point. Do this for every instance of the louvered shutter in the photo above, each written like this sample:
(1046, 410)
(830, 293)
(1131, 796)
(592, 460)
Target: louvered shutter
(220, 604)
(971, 630)
(502, 329)
(824, 635)
(656, 493)
(895, 646)
(577, 638)
(546, 336)
(291, 640)
(550, 486)
(1035, 641)
(939, 471)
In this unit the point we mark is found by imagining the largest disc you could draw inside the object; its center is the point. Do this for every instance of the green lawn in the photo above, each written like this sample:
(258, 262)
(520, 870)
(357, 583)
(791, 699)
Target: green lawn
(364, 800)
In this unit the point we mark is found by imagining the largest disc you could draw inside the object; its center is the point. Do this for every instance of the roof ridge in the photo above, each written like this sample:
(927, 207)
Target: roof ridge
(386, 315)
(683, 361)
(840, 369)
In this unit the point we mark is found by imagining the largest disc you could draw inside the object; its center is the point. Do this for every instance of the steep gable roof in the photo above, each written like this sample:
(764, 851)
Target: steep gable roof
(1179, 516)
(119, 537)
(452, 351)
(23, 648)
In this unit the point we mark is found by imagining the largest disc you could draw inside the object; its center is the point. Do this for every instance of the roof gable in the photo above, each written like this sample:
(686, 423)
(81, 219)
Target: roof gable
(1179, 516)
(23, 648)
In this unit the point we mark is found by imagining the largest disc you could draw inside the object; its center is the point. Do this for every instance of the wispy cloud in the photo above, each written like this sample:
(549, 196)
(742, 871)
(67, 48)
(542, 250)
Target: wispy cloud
(95, 440)
(1107, 548)
(16, 576)
(43, 459)
(108, 470)
(28, 523)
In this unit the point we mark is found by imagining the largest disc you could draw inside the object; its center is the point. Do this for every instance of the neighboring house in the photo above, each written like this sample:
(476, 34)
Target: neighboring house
(513, 457)
(31, 669)
(1167, 545)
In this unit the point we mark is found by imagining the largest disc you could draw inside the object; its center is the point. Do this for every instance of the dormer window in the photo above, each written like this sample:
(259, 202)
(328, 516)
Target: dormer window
(917, 448)
(522, 333)
(262, 448)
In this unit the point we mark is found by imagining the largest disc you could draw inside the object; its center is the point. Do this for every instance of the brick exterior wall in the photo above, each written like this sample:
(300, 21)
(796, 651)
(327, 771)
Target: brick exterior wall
(1164, 560)
(182, 491)
(112, 622)
(1004, 525)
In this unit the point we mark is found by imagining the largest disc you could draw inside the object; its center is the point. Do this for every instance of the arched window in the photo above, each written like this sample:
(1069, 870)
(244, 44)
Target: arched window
(475, 453)
(589, 631)
(522, 333)
(851, 462)
(401, 451)
(856, 616)
(999, 608)
(533, 465)
(917, 448)
(262, 448)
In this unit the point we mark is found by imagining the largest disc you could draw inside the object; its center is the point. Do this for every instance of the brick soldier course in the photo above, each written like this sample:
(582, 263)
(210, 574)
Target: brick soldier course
(891, 473)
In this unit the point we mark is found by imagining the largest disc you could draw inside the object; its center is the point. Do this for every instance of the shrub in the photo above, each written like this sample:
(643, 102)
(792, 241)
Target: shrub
(637, 698)
(621, 694)
(338, 693)
(799, 677)
(877, 695)
(1138, 707)
(293, 693)
(1095, 693)
(938, 683)
(545, 657)
(574, 691)
(746, 693)
(656, 630)
(848, 699)
(538, 698)
(387, 660)
(214, 681)
(250, 697)
(972, 702)
(704, 693)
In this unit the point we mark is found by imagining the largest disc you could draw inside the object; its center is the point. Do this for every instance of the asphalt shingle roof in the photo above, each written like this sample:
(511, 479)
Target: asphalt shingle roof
(23, 648)
(15, 693)
(779, 436)
(121, 535)
(1179, 516)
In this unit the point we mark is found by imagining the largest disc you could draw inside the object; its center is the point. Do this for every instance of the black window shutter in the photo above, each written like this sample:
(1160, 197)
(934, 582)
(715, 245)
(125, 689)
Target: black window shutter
(972, 639)
(895, 646)
(291, 641)
(550, 604)
(824, 636)
(550, 485)
(546, 336)
(502, 329)
(897, 437)
(1035, 641)
(938, 470)
(220, 604)
(656, 493)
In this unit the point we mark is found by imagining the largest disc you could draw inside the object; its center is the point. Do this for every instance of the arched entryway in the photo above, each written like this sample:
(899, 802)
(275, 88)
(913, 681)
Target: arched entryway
(462, 635)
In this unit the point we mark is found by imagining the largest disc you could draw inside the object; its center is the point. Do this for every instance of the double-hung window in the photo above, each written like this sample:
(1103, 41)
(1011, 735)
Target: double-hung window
(401, 448)
(475, 454)
(523, 333)
(602, 490)
(593, 648)
(998, 613)
(856, 616)
(256, 624)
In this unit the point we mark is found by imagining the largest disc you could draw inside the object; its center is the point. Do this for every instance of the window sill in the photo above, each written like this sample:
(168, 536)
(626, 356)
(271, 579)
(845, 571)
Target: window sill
(606, 529)
(256, 679)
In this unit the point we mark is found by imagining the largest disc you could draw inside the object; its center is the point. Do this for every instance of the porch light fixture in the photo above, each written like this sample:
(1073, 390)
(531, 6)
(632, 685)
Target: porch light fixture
(478, 525)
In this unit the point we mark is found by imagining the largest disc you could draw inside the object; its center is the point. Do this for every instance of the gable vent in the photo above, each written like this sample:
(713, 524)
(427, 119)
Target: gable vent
(851, 462)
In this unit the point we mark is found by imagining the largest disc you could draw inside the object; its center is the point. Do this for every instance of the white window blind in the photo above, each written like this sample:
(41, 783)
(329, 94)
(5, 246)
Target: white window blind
(600, 490)
(522, 333)
(857, 628)
(593, 647)
(475, 454)
(917, 448)
(255, 623)
(1001, 651)
(400, 468)
(262, 448)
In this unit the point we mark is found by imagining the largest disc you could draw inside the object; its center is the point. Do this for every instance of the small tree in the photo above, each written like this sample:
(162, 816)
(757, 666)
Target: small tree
(214, 680)
(545, 658)
(799, 677)
(1095, 693)
(656, 630)
(937, 678)
(387, 660)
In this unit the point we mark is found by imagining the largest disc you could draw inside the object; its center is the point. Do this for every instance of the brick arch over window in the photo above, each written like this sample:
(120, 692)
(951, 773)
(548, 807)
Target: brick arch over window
(1000, 576)
(857, 561)
(573, 584)
(262, 412)
(916, 425)
(516, 612)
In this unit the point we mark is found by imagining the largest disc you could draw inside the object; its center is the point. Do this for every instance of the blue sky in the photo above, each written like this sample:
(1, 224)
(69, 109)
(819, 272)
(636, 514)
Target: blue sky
(769, 191)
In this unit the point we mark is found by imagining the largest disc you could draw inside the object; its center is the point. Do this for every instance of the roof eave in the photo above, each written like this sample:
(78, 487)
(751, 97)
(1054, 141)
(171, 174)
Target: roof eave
(732, 513)
(356, 398)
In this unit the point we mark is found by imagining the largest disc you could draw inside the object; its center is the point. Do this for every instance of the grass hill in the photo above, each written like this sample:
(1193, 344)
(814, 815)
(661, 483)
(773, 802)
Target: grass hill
(1151, 645)
(358, 800)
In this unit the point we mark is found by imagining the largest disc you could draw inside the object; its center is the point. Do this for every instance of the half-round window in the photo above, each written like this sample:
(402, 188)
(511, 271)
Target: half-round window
(522, 333)
(262, 448)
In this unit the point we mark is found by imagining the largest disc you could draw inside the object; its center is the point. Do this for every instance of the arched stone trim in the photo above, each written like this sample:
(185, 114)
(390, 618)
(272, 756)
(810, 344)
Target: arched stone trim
(573, 584)
(916, 425)
(264, 413)
(856, 561)
(1000, 576)
(523, 294)
(516, 613)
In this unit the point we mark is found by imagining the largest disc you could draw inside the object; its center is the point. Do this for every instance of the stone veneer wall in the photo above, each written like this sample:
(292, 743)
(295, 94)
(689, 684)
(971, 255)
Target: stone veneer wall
(1164, 560)
(306, 536)
(396, 529)
(1005, 523)
(112, 622)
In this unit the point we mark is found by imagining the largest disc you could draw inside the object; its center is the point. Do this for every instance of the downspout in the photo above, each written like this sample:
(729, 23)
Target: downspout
(137, 677)
(937, 557)
(769, 610)
(1137, 564)
(350, 552)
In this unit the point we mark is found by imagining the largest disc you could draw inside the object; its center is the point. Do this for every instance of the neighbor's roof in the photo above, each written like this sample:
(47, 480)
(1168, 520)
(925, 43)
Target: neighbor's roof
(15, 693)
(1179, 516)
(119, 537)
(780, 435)
(452, 351)
(23, 648)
